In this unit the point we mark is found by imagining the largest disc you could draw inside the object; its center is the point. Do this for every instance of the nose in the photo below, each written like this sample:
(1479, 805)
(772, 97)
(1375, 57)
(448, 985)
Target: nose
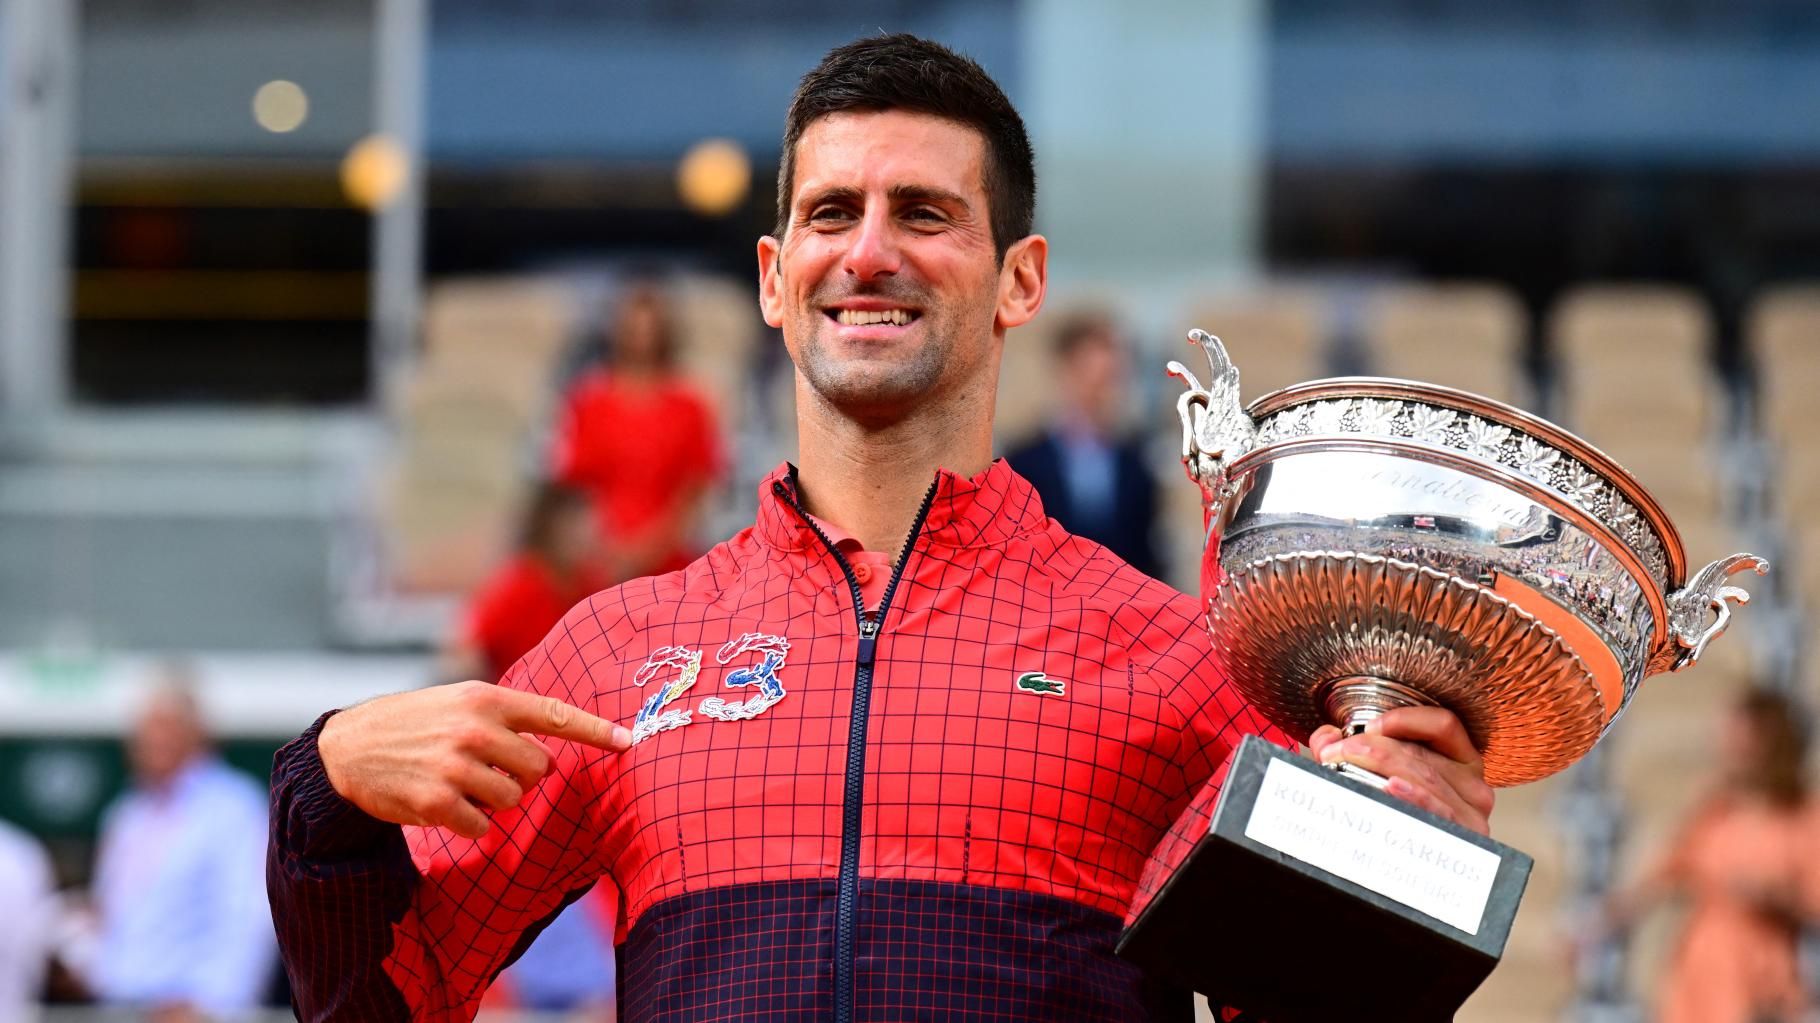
(873, 250)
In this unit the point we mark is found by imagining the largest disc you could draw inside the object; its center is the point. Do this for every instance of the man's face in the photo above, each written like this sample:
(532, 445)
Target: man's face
(1094, 375)
(165, 737)
(886, 284)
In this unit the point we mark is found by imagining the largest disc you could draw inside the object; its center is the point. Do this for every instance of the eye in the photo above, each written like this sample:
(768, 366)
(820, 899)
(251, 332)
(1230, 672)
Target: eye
(927, 214)
(828, 214)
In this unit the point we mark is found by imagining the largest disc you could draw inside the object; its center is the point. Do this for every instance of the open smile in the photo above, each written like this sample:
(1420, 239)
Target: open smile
(880, 316)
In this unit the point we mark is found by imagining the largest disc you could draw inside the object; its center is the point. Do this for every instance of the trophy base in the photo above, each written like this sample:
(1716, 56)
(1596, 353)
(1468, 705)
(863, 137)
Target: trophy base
(1315, 897)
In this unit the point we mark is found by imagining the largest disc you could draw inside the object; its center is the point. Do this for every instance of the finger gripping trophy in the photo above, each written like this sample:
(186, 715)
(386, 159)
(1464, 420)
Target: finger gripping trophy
(1376, 543)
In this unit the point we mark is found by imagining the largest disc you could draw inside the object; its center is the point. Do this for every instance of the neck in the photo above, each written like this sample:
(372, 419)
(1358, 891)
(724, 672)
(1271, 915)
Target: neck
(637, 373)
(870, 479)
(559, 567)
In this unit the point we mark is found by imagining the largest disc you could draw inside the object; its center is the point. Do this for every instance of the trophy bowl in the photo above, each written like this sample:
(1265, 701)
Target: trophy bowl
(1376, 543)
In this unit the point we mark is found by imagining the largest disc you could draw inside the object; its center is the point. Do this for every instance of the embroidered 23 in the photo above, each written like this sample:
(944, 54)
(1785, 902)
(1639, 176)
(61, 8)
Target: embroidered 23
(761, 678)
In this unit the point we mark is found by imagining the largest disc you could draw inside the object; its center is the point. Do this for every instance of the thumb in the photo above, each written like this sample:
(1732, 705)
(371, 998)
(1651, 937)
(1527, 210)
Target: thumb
(1323, 737)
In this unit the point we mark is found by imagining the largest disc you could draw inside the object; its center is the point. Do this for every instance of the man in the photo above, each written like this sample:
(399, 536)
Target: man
(899, 750)
(28, 904)
(185, 934)
(1092, 480)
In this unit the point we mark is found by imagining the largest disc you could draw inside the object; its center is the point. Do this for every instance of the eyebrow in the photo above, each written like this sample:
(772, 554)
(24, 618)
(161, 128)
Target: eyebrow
(897, 193)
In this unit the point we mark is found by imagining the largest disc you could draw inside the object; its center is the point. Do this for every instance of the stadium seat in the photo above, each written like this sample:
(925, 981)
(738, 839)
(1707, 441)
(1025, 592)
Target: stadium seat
(1637, 381)
(1783, 331)
(717, 325)
(1635, 366)
(1469, 336)
(467, 420)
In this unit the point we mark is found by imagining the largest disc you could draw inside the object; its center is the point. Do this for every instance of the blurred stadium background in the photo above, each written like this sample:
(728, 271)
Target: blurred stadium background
(288, 293)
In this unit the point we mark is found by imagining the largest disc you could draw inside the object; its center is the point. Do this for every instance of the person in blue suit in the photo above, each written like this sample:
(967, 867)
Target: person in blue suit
(1089, 470)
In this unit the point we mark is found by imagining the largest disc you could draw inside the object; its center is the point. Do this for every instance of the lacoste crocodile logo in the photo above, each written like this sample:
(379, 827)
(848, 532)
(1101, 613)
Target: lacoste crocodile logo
(1037, 682)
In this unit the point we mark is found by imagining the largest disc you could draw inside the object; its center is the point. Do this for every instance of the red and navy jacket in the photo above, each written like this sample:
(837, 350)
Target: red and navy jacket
(936, 809)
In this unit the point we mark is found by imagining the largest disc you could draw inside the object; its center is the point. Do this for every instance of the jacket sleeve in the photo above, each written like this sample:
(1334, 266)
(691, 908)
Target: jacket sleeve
(377, 922)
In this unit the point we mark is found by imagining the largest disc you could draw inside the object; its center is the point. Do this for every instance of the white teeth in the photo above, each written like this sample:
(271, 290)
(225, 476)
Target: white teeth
(866, 317)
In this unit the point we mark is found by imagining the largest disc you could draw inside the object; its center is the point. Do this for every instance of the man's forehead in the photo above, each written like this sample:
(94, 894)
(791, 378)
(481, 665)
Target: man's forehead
(890, 149)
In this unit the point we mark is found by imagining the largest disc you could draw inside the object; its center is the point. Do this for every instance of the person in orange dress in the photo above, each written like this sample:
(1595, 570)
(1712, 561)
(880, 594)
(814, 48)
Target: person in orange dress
(556, 566)
(1748, 862)
(641, 441)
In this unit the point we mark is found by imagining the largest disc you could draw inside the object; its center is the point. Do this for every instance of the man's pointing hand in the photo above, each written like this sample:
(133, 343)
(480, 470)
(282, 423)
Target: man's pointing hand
(440, 757)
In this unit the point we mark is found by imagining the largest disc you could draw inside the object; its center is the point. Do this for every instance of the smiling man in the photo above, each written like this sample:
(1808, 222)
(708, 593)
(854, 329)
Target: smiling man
(897, 751)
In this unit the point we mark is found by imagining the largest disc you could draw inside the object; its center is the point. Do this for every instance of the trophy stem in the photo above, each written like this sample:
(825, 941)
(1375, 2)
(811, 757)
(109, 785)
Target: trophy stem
(1356, 700)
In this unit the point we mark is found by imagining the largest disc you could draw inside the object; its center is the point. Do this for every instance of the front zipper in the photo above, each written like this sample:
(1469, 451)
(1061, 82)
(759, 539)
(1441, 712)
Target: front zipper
(853, 798)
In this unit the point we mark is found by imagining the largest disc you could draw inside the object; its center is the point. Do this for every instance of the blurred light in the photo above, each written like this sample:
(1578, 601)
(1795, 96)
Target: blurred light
(713, 177)
(281, 106)
(373, 172)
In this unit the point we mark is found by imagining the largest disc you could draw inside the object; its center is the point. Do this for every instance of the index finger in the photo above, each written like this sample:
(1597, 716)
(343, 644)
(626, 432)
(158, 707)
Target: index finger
(1434, 727)
(546, 715)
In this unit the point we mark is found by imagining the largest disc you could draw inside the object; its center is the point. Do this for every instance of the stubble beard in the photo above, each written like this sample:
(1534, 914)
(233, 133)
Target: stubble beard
(873, 389)
(894, 382)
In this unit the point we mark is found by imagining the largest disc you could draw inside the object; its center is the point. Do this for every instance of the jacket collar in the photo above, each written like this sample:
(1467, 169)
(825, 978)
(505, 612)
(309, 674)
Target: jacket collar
(982, 511)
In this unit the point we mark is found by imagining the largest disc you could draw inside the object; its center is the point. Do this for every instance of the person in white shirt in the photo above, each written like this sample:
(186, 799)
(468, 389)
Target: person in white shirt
(28, 906)
(186, 932)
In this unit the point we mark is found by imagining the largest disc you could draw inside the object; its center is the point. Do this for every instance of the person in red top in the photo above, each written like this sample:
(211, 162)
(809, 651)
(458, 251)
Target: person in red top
(556, 566)
(641, 441)
(822, 801)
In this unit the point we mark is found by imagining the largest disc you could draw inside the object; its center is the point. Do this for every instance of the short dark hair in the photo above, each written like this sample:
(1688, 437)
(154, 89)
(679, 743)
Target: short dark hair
(1082, 329)
(905, 72)
(549, 502)
(1779, 746)
(646, 294)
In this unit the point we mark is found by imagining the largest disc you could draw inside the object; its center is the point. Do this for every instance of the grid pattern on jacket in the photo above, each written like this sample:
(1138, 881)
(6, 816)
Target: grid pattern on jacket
(1039, 714)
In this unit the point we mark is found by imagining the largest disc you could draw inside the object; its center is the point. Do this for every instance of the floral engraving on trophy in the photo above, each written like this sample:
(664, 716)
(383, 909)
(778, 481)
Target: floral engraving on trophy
(1377, 416)
(1329, 417)
(1430, 424)
(1534, 459)
(1485, 438)
(1583, 487)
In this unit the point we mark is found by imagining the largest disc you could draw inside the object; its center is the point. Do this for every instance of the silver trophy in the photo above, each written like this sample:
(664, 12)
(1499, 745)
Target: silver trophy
(1374, 544)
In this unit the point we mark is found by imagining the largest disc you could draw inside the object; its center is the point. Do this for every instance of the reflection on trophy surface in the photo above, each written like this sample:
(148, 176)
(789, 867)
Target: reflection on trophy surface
(1375, 543)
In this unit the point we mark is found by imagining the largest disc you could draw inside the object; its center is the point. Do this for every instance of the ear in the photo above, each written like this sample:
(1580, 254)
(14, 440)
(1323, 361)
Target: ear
(770, 281)
(1023, 280)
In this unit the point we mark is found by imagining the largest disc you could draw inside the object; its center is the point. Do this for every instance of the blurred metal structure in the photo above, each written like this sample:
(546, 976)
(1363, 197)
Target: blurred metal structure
(1592, 820)
(401, 31)
(37, 105)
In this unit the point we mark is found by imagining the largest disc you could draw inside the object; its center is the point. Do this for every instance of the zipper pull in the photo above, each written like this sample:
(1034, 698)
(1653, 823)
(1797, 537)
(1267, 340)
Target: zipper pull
(868, 640)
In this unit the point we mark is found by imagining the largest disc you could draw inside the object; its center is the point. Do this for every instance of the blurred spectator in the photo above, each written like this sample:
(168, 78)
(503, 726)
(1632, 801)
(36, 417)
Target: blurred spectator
(1090, 472)
(569, 968)
(557, 565)
(186, 931)
(641, 440)
(1746, 862)
(28, 907)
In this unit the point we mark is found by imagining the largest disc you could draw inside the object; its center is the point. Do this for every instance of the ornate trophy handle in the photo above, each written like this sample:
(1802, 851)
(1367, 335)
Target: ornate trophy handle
(1701, 610)
(1215, 428)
